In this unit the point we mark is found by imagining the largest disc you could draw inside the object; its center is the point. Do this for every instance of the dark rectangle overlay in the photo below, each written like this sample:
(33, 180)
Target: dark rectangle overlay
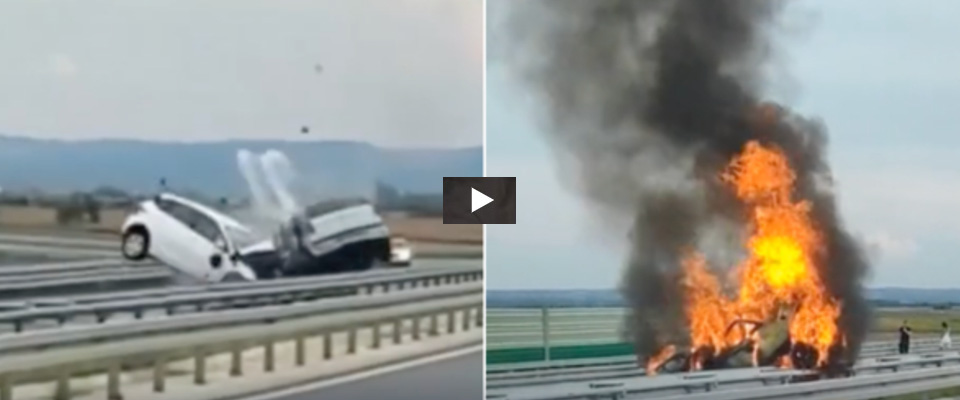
(457, 192)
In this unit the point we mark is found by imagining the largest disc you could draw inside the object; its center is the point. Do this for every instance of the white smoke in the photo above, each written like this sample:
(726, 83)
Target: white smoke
(280, 176)
(270, 177)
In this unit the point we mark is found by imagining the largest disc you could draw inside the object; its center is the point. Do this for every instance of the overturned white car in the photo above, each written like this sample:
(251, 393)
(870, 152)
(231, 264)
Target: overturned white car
(209, 245)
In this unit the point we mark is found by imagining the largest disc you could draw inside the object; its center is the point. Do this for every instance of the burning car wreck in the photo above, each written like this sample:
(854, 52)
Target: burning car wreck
(763, 343)
(738, 255)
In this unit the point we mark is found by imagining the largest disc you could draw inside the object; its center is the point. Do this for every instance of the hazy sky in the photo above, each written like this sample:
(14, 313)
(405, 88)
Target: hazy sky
(883, 75)
(394, 72)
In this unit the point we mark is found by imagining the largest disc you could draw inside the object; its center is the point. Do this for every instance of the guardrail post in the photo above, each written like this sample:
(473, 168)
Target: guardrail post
(199, 366)
(480, 315)
(465, 323)
(426, 283)
(18, 326)
(63, 385)
(434, 324)
(113, 382)
(6, 387)
(451, 321)
(386, 288)
(352, 341)
(398, 331)
(236, 361)
(401, 285)
(159, 375)
(545, 318)
(301, 350)
(415, 332)
(327, 345)
(376, 335)
(268, 356)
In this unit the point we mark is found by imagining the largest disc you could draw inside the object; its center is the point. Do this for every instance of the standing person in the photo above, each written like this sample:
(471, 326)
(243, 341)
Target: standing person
(945, 342)
(905, 332)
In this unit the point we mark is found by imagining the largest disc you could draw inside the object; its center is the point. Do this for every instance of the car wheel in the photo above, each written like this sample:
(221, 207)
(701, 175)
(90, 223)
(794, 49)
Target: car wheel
(135, 244)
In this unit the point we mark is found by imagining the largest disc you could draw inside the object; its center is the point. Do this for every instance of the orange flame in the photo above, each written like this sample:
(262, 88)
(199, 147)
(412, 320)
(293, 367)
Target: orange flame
(654, 362)
(779, 270)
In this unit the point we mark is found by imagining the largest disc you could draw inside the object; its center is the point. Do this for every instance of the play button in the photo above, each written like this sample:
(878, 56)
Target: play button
(474, 200)
(478, 200)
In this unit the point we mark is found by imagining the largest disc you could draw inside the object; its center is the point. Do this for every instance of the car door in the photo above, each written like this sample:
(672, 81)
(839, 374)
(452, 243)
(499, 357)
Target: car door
(171, 235)
(214, 243)
(196, 241)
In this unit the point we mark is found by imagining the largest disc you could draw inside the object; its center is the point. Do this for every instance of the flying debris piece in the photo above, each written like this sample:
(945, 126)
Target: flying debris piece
(304, 129)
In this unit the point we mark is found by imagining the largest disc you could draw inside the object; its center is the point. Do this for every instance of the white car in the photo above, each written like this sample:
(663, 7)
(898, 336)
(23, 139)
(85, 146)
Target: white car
(192, 238)
(211, 246)
(401, 254)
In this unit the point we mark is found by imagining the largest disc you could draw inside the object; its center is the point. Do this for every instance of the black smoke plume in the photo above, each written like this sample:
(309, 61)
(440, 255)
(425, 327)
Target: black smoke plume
(654, 98)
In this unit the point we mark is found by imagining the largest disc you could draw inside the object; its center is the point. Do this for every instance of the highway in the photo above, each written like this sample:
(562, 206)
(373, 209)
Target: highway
(535, 354)
(57, 293)
(457, 377)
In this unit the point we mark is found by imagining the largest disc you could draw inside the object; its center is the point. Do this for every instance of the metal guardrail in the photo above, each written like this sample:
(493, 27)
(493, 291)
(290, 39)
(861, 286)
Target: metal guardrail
(82, 274)
(63, 241)
(35, 269)
(867, 350)
(712, 382)
(770, 383)
(604, 368)
(226, 286)
(158, 342)
(857, 388)
(56, 250)
(117, 276)
(286, 292)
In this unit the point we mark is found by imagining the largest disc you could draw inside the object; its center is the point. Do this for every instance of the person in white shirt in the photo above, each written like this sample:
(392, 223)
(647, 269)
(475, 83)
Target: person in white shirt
(945, 342)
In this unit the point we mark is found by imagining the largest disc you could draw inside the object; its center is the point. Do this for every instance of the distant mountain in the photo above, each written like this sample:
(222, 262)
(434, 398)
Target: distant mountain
(211, 167)
(915, 296)
(553, 298)
(612, 298)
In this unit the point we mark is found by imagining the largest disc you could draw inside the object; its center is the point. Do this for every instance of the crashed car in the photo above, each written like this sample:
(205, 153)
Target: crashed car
(208, 245)
(188, 236)
(765, 343)
(333, 236)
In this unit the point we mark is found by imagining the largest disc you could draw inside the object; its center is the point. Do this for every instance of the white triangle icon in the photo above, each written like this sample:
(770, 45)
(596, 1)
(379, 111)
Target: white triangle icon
(478, 200)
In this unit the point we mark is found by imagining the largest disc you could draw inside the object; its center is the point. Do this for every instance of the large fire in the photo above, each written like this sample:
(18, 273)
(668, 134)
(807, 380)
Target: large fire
(778, 278)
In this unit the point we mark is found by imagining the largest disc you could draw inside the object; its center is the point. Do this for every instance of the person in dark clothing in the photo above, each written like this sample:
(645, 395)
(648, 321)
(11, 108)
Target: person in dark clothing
(905, 333)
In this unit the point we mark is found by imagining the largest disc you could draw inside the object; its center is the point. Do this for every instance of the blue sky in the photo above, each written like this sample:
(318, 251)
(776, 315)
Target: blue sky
(883, 75)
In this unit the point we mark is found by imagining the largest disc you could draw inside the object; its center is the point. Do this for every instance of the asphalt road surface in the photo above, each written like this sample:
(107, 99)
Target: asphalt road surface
(455, 378)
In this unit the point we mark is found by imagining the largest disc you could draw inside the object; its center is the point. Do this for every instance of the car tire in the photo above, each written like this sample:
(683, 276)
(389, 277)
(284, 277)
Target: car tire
(135, 244)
